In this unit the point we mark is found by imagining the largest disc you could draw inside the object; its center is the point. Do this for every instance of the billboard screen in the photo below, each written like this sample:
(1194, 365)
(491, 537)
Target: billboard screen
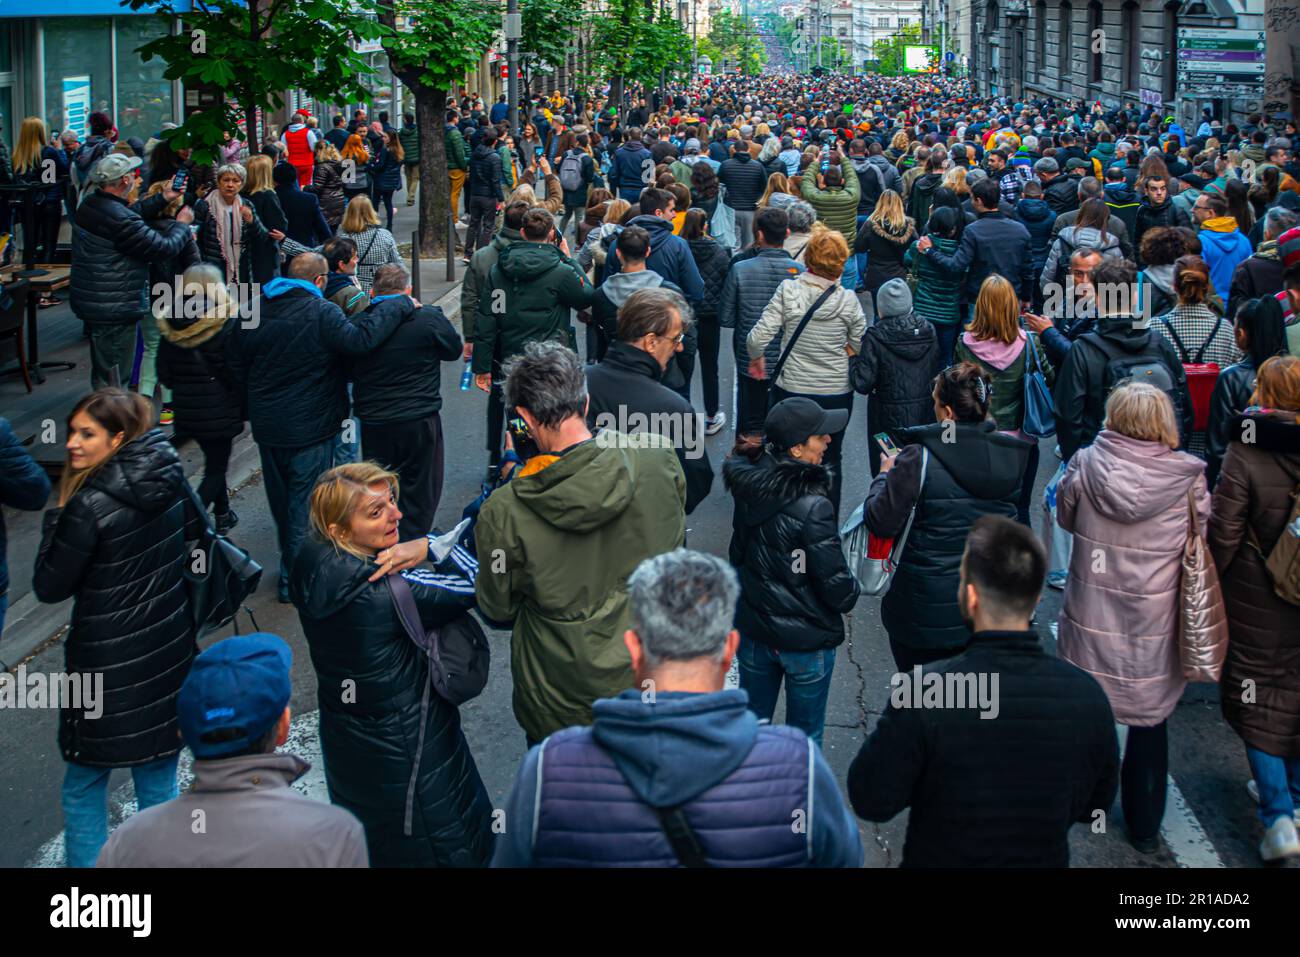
(917, 59)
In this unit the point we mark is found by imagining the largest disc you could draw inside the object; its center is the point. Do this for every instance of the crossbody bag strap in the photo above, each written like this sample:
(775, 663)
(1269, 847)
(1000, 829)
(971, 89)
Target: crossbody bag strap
(361, 257)
(897, 551)
(686, 844)
(794, 336)
(409, 615)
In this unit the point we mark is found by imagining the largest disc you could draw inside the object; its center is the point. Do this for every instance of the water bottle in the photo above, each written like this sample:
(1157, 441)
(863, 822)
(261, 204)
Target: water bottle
(466, 377)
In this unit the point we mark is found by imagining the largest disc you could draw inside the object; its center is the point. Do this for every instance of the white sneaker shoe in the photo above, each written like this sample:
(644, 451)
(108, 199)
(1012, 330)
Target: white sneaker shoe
(1253, 790)
(714, 423)
(1280, 841)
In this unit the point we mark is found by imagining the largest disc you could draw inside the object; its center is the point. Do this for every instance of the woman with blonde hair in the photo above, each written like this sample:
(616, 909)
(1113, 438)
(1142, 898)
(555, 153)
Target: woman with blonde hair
(259, 188)
(356, 159)
(395, 755)
(30, 159)
(1005, 352)
(1249, 516)
(778, 194)
(595, 250)
(124, 506)
(955, 180)
(817, 367)
(885, 237)
(375, 245)
(1129, 499)
(327, 182)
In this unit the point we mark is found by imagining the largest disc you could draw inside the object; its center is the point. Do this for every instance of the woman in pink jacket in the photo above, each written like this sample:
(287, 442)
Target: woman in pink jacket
(1125, 499)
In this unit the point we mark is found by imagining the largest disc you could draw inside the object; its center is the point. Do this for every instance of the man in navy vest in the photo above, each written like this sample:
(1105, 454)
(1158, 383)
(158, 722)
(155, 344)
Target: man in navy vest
(678, 770)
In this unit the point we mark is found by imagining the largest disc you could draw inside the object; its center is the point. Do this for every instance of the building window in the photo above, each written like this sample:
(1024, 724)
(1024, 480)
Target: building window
(1065, 42)
(144, 98)
(78, 72)
(1170, 44)
(1132, 33)
(882, 22)
(1096, 42)
(1040, 40)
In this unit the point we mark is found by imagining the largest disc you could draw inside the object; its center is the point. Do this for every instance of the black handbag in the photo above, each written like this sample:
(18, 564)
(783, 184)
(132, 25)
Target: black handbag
(219, 576)
(458, 652)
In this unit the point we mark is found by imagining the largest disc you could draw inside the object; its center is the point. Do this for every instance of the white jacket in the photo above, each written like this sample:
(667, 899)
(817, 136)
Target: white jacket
(818, 364)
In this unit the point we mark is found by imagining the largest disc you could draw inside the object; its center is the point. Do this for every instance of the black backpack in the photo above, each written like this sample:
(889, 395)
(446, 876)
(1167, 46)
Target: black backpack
(1148, 366)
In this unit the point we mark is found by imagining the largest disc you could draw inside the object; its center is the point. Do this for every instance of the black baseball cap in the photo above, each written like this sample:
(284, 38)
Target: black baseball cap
(791, 421)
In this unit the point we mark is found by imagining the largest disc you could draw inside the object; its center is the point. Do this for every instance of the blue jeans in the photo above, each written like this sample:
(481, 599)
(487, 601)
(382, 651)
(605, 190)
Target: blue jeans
(1278, 780)
(849, 280)
(4, 607)
(807, 677)
(859, 259)
(289, 476)
(85, 803)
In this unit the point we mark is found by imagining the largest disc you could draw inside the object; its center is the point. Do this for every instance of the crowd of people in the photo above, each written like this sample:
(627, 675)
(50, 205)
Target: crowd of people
(1005, 282)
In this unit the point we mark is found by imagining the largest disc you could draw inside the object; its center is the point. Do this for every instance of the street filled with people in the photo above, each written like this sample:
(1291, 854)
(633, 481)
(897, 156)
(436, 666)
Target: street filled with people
(1002, 395)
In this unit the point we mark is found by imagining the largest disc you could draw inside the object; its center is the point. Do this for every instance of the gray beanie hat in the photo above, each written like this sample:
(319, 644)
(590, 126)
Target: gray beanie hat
(893, 299)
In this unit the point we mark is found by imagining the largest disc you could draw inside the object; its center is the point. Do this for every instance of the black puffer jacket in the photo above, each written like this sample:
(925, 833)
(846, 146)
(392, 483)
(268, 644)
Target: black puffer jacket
(369, 739)
(745, 179)
(192, 363)
(977, 472)
(1231, 396)
(895, 367)
(485, 173)
(117, 548)
(713, 262)
(252, 235)
(1062, 194)
(265, 251)
(327, 184)
(291, 368)
(783, 509)
(402, 379)
(1150, 215)
(112, 249)
(885, 251)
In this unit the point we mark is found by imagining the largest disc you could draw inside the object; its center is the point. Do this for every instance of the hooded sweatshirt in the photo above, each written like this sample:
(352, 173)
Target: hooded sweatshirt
(1067, 241)
(1223, 247)
(672, 752)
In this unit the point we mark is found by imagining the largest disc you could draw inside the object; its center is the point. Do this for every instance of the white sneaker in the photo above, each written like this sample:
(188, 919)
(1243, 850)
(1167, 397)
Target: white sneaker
(1253, 790)
(714, 423)
(1280, 841)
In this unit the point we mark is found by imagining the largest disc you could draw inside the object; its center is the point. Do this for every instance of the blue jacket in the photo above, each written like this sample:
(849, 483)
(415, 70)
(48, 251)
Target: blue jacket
(629, 166)
(670, 257)
(291, 363)
(23, 484)
(498, 112)
(1222, 252)
(749, 287)
(586, 796)
(1038, 218)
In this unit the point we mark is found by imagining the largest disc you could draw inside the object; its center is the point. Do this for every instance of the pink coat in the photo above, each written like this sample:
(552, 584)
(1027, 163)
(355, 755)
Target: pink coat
(1125, 500)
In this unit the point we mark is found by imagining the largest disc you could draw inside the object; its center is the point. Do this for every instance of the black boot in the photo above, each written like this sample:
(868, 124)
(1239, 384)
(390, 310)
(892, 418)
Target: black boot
(226, 521)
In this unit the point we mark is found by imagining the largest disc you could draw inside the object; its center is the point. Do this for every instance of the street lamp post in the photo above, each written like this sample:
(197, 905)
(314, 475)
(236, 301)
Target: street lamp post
(513, 29)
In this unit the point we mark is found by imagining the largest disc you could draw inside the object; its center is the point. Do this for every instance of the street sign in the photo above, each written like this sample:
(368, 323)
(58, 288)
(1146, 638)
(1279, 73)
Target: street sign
(949, 56)
(1220, 63)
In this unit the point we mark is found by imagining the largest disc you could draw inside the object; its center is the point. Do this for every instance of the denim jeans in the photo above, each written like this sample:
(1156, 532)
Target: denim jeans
(859, 260)
(4, 607)
(1278, 780)
(849, 279)
(151, 334)
(112, 347)
(807, 677)
(85, 803)
(289, 476)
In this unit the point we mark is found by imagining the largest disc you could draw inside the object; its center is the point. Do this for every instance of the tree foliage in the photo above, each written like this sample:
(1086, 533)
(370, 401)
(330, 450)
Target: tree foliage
(254, 51)
(889, 51)
(735, 41)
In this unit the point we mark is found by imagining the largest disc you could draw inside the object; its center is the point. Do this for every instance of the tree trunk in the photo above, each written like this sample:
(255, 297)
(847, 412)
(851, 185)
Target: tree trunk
(435, 187)
(616, 97)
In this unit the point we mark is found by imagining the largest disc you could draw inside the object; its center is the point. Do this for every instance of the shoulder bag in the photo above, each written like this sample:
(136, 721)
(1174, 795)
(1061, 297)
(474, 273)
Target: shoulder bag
(1040, 409)
(872, 560)
(219, 575)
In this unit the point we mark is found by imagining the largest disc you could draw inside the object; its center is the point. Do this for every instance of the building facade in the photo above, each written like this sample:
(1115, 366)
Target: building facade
(1112, 51)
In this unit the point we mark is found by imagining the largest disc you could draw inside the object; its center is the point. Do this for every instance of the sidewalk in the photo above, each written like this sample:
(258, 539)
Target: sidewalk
(42, 414)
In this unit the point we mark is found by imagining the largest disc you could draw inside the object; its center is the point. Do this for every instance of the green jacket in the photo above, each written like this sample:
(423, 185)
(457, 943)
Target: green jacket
(409, 137)
(527, 297)
(507, 167)
(1008, 403)
(480, 268)
(837, 208)
(937, 293)
(557, 547)
(454, 144)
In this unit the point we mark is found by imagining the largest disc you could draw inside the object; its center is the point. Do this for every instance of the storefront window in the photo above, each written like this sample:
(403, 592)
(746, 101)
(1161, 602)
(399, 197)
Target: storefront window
(380, 85)
(78, 72)
(144, 98)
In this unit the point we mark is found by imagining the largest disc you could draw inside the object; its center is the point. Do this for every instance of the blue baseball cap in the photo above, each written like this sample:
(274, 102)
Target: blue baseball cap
(239, 686)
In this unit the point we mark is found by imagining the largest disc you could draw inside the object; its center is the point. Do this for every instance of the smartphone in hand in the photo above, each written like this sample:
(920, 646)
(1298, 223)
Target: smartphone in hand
(886, 443)
(179, 180)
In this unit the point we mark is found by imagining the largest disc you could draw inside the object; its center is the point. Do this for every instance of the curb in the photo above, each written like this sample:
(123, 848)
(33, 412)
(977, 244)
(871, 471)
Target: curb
(31, 626)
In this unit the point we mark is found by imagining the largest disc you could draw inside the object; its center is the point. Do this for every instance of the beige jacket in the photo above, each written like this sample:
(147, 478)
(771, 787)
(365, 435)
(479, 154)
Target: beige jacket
(818, 364)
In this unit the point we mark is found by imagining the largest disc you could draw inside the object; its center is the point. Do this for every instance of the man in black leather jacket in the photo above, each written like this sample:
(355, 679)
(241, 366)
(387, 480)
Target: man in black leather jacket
(112, 248)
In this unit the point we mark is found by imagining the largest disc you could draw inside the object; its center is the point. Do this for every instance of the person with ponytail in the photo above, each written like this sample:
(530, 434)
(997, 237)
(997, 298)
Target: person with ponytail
(952, 471)
(115, 545)
(1251, 509)
(1260, 333)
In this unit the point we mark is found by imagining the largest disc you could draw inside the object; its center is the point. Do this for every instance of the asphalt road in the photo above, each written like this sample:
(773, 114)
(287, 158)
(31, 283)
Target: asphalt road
(1210, 821)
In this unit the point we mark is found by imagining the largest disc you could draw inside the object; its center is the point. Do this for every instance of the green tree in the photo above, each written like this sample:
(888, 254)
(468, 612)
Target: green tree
(889, 50)
(548, 28)
(633, 40)
(254, 51)
(438, 43)
(736, 40)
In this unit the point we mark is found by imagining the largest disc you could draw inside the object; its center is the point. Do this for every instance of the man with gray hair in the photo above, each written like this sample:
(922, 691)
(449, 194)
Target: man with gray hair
(802, 217)
(677, 770)
(1090, 187)
(625, 388)
(559, 540)
(1261, 274)
(1058, 190)
(396, 395)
